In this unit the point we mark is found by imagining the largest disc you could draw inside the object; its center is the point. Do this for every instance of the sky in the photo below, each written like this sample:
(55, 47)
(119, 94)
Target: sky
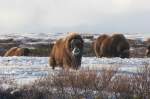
(38, 16)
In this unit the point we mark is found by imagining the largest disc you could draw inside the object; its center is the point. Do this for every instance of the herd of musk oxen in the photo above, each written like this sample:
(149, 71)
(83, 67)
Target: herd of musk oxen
(67, 52)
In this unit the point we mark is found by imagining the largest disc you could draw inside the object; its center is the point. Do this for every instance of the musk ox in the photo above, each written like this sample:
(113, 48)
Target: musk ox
(111, 46)
(148, 51)
(67, 52)
(16, 51)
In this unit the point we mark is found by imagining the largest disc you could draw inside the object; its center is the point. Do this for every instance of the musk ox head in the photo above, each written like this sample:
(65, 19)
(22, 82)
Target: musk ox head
(120, 45)
(123, 51)
(74, 45)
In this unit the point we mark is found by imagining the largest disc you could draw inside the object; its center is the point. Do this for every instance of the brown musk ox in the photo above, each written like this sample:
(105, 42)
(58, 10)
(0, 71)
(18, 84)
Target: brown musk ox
(147, 51)
(112, 46)
(97, 44)
(67, 52)
(16, 51)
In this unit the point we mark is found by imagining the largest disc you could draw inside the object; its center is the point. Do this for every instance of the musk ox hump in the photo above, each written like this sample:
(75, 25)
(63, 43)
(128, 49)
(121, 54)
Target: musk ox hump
(16, 51)
(19, 52)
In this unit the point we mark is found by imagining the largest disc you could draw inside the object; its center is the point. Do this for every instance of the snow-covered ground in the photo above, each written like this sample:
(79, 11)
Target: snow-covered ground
(27, 69)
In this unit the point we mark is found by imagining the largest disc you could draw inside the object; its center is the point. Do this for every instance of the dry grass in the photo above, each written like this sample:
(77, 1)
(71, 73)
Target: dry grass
(105, 84)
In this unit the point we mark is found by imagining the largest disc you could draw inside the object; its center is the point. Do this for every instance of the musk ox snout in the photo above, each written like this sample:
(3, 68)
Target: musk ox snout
(76, 51)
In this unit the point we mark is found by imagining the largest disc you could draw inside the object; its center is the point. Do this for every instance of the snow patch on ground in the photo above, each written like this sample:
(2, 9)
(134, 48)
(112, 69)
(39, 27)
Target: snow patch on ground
(27, 69)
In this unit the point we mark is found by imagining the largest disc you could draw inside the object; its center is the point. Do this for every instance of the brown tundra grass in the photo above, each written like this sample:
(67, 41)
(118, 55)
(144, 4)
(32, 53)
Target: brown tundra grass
(87, 84)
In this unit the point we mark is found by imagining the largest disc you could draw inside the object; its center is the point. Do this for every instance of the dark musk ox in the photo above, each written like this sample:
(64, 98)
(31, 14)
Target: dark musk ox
(111, 46)
(148, 51)
(16, 51)
(67, 52)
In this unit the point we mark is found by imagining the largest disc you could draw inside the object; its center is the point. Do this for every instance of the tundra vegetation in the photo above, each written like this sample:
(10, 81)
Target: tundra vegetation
(84, 84)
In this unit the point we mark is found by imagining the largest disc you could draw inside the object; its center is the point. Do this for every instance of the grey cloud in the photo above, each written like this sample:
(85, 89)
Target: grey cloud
(74, 15)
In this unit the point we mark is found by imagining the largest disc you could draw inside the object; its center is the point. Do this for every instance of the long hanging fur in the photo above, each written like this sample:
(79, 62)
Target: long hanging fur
(61, 53)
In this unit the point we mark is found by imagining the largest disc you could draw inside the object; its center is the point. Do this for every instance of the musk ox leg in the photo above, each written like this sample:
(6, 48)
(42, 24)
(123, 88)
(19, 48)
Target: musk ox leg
(97, 52)
(52, 62)
(96, 48)
(66, 64)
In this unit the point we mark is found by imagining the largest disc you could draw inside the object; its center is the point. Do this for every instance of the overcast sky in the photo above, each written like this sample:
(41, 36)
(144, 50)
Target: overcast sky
(74, 15)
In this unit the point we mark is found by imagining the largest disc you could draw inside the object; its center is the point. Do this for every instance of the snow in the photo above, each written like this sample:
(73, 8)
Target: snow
(27, 69)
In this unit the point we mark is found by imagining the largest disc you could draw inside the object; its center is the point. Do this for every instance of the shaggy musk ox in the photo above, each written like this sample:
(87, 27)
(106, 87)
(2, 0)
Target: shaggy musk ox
(111, 46)
(16, 51)
(67, 52)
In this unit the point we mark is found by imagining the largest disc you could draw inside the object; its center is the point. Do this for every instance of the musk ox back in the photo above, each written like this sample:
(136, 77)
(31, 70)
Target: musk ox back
(112, 46)
(16, 51)
(67, 52)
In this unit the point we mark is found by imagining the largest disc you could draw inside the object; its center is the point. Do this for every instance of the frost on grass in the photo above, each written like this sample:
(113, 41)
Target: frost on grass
(91, 84)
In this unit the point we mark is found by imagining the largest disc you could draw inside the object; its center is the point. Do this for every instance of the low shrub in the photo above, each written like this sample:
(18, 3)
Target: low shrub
(86, 84)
